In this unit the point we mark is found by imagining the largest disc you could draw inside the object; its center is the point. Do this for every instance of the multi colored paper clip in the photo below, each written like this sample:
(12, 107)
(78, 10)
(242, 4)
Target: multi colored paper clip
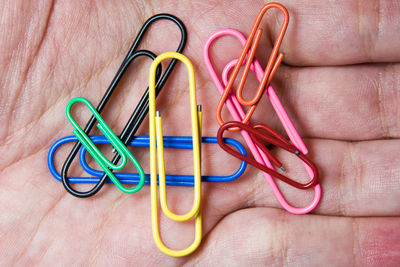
(251, 133)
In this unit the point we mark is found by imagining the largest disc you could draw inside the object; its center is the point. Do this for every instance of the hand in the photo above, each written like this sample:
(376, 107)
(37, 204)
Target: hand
(339, 83)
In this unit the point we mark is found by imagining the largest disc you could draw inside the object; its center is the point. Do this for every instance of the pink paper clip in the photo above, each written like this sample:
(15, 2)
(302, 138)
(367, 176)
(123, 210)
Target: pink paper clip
(238, 114)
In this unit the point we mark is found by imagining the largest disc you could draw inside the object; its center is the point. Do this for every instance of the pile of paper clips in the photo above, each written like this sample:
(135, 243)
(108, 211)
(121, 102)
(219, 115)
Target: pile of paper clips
(254, 134)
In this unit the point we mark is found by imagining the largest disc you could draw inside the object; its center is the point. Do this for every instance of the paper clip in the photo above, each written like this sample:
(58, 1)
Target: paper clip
(273, 64)
(176, 142)
(275, 139)
(141, 109)
(158, 153)
(104, 163)
(238, 114)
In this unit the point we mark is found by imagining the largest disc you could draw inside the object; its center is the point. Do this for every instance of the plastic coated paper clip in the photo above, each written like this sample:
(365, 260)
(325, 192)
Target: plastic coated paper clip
(246, 57)
(157, 152)
(104, 163)
(177, 142)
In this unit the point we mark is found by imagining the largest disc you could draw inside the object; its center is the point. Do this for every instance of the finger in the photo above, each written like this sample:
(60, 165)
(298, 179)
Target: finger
(320, 34)
(262, 236)
(357, 179)
(344, 103)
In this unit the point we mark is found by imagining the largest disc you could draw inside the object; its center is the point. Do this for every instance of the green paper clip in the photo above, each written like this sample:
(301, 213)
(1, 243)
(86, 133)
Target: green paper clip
(102, 160)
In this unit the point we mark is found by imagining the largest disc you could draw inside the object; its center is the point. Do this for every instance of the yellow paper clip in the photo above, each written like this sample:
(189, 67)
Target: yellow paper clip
(157, 152)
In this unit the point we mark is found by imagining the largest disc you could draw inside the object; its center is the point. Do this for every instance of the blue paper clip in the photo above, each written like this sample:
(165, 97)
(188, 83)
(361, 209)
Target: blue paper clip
(179, 142)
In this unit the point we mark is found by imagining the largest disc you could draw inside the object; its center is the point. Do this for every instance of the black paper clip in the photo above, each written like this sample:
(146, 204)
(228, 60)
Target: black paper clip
(141, 109)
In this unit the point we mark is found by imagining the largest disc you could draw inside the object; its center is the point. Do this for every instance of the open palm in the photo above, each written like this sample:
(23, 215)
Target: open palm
(339, 83)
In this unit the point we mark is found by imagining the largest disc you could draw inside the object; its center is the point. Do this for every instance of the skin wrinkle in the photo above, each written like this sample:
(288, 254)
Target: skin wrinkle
(355, 175)
(381, 106)
(83, 84)
(284, 240)
(356, 240)
(33, 155)
(340, 179)
(14, 98)
(11, 105)
(20, 159)
(34, 57)
(31, 181)
(357, 169)
(71, 91)
(359, 24)
(102, 229)
(26, 128)
(203, 254)
(219, 212)
(149, 5)
(368, 35)
(36, 228)
(25, 156)
(276, 245)
(255, 191)
(359, 179)
(213, 247)
(397, 93)
(396, 89)
(198, 259)
(44, 253)
(378, 20)
(205, 9)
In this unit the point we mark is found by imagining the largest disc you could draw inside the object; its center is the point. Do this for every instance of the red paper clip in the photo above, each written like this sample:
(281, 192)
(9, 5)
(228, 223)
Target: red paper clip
(274, 138)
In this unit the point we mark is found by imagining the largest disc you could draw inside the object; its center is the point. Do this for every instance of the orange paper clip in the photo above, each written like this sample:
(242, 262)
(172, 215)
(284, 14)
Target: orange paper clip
(249, 50)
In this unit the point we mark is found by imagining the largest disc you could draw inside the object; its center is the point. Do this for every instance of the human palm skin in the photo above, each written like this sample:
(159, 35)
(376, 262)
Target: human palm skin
(339, 82)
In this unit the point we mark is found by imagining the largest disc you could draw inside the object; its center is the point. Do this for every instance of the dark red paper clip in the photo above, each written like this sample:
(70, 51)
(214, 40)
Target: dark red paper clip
(274, 138)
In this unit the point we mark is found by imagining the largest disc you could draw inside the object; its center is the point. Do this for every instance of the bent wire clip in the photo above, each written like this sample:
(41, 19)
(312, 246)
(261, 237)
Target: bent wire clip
(177, 142)
(157, 152)
(140, 111)
(246, 57)
(104, 163)
(274, 138)
(239, 115)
